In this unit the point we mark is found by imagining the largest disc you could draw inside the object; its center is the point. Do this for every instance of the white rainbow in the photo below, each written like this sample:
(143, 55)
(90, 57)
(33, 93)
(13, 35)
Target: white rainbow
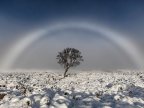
(125, 44)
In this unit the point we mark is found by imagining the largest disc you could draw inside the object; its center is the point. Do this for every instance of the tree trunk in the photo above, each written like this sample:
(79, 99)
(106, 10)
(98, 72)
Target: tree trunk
(65, 72)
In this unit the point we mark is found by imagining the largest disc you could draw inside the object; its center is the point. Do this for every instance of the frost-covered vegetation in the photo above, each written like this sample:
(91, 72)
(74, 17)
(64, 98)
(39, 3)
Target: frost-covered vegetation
(121, 89)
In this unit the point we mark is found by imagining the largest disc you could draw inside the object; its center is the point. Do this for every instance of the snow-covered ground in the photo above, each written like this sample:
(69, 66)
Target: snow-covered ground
(95, 89)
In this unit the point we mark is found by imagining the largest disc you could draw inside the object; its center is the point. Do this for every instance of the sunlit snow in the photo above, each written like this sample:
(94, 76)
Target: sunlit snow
(93, 89)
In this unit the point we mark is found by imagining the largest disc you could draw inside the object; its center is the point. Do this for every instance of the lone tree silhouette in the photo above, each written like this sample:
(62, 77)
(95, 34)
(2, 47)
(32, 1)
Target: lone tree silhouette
(69, 57)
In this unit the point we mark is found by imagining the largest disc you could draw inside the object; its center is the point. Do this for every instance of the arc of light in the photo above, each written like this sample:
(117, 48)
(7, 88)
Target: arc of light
(27, 40)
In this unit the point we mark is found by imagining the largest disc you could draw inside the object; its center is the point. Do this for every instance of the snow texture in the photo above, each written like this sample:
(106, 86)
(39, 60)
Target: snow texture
(95, 89)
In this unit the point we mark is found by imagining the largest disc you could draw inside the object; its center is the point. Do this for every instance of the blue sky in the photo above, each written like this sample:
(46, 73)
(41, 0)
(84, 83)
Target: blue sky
(19, 17)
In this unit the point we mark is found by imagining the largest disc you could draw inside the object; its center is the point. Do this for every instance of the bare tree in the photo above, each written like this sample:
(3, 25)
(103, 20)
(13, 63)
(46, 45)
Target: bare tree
(69, 57)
